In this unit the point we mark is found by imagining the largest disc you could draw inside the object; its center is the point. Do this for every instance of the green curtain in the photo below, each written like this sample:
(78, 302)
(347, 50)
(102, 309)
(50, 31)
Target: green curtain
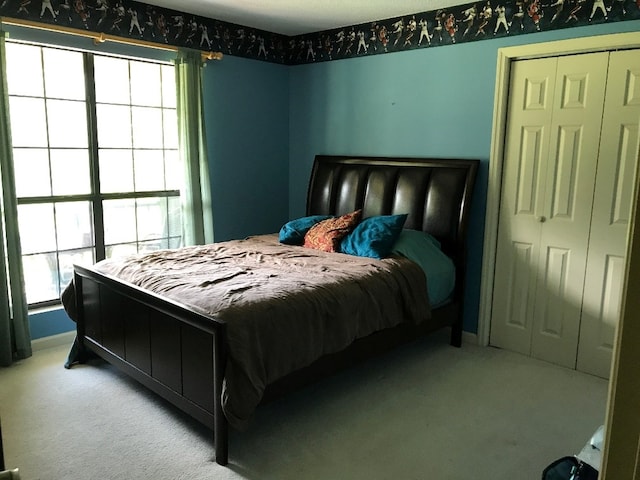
(15, 337)
(196, 194)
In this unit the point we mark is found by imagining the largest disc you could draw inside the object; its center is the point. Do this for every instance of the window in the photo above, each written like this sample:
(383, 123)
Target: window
(95, 149)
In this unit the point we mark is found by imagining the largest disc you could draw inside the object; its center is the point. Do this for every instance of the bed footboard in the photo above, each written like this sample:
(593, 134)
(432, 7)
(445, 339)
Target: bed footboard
(172, 350)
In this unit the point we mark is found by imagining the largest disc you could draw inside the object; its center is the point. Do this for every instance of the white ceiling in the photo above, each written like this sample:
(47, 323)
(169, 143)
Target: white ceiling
(295, 17)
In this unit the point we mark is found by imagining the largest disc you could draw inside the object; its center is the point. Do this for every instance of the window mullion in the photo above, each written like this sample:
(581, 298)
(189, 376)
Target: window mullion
(133, 153)
(94, 164)
(45, 98)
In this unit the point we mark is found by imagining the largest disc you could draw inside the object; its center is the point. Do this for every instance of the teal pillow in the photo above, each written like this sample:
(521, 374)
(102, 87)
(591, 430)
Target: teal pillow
(424, 249)
(293, 232)
(374, 236)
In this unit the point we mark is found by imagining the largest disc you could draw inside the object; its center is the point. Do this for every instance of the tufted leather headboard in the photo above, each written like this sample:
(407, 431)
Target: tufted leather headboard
(436, 193)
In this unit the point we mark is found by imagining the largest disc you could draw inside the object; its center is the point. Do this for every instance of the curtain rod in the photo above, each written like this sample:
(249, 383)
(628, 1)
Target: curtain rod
(102, 37)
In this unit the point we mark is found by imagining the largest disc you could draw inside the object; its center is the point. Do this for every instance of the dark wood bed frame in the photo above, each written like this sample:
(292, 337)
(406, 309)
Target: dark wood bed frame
(180, 354)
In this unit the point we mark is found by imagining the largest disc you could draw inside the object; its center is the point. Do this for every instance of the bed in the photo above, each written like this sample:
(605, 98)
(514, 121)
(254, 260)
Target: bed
(264, 331)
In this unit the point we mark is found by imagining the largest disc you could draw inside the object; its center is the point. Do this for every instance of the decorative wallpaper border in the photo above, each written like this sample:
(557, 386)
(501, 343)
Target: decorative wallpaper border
(481, 20)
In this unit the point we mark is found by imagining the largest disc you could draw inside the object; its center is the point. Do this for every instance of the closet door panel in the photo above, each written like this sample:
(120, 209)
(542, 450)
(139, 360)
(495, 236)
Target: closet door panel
(619, 147)
(526, 149)
(570, 178)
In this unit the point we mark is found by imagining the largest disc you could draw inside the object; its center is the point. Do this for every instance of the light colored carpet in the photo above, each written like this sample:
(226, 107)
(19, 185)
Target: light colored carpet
(424, 411)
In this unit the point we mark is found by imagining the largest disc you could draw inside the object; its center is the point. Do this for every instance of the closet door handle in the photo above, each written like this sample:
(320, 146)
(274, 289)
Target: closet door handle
(542, 219)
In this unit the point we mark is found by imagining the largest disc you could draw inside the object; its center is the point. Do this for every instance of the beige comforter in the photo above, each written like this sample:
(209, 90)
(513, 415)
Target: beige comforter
(285, 306)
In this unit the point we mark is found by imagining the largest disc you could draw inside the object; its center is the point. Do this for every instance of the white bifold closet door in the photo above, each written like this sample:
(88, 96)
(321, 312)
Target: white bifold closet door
(558, 173)
(612, 207)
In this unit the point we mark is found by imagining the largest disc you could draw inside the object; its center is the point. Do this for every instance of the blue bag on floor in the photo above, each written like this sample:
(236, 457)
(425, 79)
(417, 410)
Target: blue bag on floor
(569, 468)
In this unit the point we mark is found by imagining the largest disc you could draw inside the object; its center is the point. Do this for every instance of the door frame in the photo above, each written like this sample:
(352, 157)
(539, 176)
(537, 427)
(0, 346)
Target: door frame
(507, 55)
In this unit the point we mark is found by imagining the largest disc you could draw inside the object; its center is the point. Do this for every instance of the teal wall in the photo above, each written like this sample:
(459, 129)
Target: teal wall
(247, 122)
(50, 322)
(433, 102)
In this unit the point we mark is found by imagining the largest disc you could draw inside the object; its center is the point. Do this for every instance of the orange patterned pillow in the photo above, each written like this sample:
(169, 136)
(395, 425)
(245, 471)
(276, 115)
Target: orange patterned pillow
(327, 234)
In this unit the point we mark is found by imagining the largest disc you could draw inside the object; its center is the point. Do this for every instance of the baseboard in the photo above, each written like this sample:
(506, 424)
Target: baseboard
(58, 340)
(468, 337)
